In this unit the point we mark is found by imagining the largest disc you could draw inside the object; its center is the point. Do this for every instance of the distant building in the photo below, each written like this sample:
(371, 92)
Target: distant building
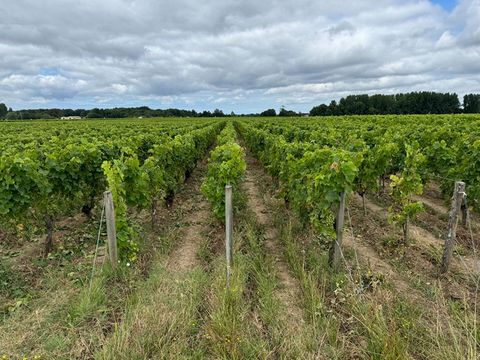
(71, 118)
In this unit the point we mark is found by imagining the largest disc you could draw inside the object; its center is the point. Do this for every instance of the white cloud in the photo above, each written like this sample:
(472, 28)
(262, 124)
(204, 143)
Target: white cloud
(245, 56)
(119, 88)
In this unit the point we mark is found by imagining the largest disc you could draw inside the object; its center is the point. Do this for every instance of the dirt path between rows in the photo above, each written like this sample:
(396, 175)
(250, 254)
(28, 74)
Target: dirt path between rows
(437, 207)
(367, 253)
(289, 291)
(159, 325)
(194, 214)
(375, 263)
(465, 264)
(467, 235)
(420, 274)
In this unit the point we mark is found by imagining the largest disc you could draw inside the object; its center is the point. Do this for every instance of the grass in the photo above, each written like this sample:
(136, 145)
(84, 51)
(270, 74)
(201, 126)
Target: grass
(12, 286)
(356, 315)
(230, 329)
(192, 314)
(250, 319)
(265, 298)
(25, 275)
(157, 311)
(230, 332)
(308, 264)
(162, 319)
(440, 332)
(283, 337)
(66, 316)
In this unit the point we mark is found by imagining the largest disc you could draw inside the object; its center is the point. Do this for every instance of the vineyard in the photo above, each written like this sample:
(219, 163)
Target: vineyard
(354, 237)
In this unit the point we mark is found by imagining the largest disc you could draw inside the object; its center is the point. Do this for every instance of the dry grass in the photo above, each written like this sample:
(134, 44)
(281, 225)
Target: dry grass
(162, 320)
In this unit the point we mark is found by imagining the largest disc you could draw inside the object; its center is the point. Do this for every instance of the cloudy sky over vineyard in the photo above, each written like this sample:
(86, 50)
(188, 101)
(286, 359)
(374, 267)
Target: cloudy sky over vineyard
(233, 55)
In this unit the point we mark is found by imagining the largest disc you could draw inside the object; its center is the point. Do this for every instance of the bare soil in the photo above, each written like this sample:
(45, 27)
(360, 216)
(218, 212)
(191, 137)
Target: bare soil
(411, 269)
(435, 205)
(370, 256)
(184, 257)
(193, 215)
(436, 220)
(464, 264)
(289, 291)
(419, 261)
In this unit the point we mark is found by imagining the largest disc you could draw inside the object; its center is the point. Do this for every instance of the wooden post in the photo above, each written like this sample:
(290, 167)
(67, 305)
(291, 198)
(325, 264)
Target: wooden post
(228, 229)
(406, 230)
(457, 199)
(49, 224)
(337, 245)
(363, 205)
(111, 230)
(464, 211)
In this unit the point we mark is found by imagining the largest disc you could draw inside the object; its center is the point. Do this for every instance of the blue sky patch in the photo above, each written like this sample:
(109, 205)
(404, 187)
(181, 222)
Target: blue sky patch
(448, 5)
(49, 71)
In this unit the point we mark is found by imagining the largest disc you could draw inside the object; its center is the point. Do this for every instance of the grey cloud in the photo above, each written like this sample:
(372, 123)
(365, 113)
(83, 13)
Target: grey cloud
(278, 51)
(343, 27)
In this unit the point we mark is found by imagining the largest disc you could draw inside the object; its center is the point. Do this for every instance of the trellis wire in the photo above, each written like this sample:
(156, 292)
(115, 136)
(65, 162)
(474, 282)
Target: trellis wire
(96, 247)
(353, 236)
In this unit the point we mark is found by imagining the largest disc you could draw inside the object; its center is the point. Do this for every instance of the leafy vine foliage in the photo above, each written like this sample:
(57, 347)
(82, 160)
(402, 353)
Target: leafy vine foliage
(53, 169)
(403, 187)
(311, 177)
(116, 173)
(314, 160)
(226, 167)
(143, 185)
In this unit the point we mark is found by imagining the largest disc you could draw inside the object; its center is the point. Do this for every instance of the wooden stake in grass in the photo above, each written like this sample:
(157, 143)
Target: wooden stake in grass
(464, 211)
(228, 229)
(111, 230)
(457, 200)
(49, 225)
(337, 244)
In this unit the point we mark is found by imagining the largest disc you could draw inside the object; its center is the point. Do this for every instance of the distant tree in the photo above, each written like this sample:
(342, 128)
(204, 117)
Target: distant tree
(285, 112)
(320, 110)
(269, 112)
(334, 108)
(3, 110)
(381, 104)
(354, 104)
(471, 103)
(409, 103)
(218, 113)
(55, 113)
(142, 111)
(95, 113)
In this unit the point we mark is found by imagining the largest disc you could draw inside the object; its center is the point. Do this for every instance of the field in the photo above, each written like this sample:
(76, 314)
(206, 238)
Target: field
(308, 280)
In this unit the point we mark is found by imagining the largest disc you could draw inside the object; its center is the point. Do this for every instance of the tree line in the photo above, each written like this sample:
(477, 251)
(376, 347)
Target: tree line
(408, 103)
(424, 102)
(122, 112)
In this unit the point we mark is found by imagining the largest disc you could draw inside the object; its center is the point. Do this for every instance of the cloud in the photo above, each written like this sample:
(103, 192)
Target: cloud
(43, 87)
(244, 56)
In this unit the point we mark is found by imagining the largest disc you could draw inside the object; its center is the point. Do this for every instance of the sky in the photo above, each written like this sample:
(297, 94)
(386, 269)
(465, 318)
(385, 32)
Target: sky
(242, 56)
